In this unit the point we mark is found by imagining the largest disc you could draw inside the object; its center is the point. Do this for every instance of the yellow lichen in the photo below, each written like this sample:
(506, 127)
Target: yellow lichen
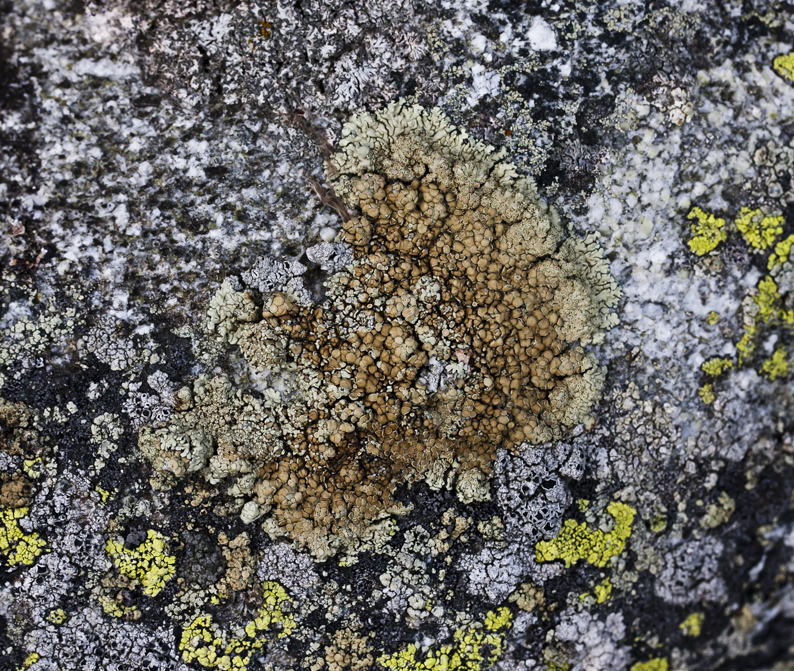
(603, 590)
(115, 609)
(781, 253)
(768, 300)
(693, 624)
(104, 494)
(776, 366)
(30, 660)
(706, 393)
(576, 541)
(57, 616)
(657, 664)
(715, 367)
(746, 345)
(712, 318)
(471, 650)
(707, 233)
(148, 563)
(784, 65)
(17, 547)
(203, 643)
(758, 230)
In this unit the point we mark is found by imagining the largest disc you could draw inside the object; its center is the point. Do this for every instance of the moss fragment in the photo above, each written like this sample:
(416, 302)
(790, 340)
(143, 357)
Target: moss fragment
(707, 233)
(576, 541)
(149, 563)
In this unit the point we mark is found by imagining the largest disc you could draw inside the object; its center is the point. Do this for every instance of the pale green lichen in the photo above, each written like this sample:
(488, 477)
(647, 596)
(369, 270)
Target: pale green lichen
(204, 643)
(707, 233)
(693, 624)
(472, 649)
(148, 563)
(758, 230)
(17, 547)
(576, 541)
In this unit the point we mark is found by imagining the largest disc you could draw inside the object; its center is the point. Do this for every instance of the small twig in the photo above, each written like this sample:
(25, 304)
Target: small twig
(329, 199)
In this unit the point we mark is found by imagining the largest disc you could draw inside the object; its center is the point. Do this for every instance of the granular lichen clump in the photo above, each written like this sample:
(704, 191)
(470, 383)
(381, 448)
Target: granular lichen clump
(455, 331)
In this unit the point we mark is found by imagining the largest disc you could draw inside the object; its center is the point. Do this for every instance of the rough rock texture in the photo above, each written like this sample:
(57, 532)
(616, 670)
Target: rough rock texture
(211, 214)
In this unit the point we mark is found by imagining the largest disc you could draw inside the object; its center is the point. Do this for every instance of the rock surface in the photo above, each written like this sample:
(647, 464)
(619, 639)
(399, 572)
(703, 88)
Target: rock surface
(396, 335)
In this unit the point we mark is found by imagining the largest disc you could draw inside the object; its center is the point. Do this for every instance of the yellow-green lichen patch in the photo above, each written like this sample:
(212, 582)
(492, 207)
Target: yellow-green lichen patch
(693, 624)
(30, 660)
(104, 494)
(472, 649)
(746, 344)
(715, 367)
(765, 308)
(115, 609)
(603, 590)
(784, 66)
(776, 366)
(758, 230)
(204, 643)
(576, 541)
(712, 318)
(706, 393)
(57, 616)
(781, 253)
(656, 664)
(707, 232)
(768, 301)
(148, 563)
(17, 547)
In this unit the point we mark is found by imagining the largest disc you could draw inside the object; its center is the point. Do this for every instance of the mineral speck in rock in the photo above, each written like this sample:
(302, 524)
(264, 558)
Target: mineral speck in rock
(450, 332)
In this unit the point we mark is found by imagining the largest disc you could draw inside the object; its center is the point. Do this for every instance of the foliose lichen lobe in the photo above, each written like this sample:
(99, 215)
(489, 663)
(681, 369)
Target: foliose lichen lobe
(455, 331)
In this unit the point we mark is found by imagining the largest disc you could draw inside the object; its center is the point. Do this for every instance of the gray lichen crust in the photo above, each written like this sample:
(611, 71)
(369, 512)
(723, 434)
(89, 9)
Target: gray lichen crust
(451, 333)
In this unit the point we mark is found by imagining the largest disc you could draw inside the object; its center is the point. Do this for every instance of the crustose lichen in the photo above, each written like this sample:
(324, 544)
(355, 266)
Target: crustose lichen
(451, 334)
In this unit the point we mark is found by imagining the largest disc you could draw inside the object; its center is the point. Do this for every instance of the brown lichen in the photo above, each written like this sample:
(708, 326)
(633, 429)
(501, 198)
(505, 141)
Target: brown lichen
(15, 491)
(452, 334)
